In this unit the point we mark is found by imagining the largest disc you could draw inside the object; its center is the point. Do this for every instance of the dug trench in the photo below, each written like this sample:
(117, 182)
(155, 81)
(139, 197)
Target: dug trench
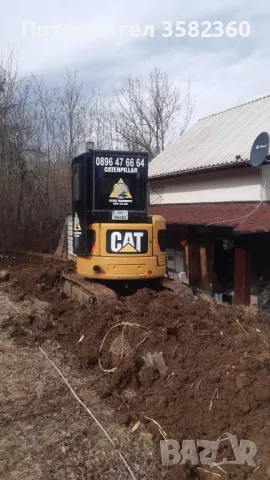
(170, 364)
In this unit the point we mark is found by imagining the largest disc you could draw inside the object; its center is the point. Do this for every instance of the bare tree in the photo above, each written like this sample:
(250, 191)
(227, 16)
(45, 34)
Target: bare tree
(15, 143)
(75, 115)
(43, 128)
(101, 125)
(147, 112)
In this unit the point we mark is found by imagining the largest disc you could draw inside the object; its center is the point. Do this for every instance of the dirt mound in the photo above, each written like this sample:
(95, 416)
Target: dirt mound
(216, 377)
(198, 368)
(34, 274)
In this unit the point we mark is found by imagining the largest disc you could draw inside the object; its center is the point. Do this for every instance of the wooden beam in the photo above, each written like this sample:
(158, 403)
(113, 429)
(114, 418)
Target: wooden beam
(205, 284)
(186, 258)
(193, 264)
(242, 275)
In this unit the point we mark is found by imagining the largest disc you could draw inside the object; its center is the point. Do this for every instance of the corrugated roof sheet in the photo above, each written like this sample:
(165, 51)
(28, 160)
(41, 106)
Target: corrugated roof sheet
(216, 140)
(242, 217)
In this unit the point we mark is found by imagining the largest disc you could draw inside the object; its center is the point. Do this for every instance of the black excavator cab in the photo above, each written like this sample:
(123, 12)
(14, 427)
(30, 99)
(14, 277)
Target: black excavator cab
(107, 186)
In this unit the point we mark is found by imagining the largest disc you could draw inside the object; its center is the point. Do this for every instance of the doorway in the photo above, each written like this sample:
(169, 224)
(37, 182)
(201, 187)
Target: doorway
(223, 270)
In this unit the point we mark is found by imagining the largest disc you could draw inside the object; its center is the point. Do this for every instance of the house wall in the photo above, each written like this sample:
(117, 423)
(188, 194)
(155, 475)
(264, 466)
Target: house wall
(232, 185)
(265, 173)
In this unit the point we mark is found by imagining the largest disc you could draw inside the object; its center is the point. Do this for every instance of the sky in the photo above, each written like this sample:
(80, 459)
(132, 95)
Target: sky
(223, 71)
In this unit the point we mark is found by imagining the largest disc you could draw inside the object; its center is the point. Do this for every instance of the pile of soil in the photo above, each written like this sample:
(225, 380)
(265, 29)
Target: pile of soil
(212, 374)
(44, 433)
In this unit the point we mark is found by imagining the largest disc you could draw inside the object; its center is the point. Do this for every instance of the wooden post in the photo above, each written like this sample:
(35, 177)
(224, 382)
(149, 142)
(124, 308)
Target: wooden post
(186, 258)
(193, 264)
(211, 268)
(205, 285)
(241, 274)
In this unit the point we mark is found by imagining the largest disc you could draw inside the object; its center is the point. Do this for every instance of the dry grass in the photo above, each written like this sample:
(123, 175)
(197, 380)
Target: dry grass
(44, 433)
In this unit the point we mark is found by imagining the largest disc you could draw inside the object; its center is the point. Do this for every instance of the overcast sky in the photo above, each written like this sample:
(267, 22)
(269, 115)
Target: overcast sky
(223, 71)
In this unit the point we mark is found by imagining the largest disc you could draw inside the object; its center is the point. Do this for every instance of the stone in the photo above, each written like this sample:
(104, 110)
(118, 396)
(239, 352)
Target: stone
(261, 392)
(4, 276)
(242, 404)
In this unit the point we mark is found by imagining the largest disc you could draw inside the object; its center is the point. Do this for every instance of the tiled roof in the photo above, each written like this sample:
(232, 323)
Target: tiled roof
(221, 139)
(242, 217)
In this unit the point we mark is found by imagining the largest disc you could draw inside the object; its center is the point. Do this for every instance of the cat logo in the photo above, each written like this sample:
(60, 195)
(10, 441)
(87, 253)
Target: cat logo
(125, 241)
(120, 191)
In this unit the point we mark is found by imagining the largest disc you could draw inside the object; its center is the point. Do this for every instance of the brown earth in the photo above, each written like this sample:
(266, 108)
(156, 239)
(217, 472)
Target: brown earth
(44, 433)
(212, 377)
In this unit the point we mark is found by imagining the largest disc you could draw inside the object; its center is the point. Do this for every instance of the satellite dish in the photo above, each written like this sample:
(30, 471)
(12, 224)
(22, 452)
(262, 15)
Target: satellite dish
(259, 150)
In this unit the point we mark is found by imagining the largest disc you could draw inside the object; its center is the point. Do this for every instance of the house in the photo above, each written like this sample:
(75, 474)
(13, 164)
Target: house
(217, 205)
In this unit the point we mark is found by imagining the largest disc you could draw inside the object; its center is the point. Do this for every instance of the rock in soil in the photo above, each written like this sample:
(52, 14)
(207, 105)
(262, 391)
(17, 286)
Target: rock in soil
(4, 276)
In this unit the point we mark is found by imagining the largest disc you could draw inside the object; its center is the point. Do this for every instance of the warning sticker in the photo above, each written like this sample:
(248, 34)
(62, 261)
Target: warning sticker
(120, 194)
(76, 226)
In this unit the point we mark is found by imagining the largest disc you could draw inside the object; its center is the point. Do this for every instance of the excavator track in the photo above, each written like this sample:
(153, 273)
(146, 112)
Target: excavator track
(86, 292)
(91, 292)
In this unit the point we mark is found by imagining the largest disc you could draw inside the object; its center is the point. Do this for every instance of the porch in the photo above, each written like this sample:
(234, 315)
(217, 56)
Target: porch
(221, 249)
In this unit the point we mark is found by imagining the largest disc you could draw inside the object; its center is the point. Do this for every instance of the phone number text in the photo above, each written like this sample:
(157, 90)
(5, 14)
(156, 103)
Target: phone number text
(205, 29)
(119, 162)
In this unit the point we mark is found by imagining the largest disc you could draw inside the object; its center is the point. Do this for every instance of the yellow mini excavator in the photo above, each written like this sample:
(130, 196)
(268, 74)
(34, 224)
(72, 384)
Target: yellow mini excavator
(114, 239)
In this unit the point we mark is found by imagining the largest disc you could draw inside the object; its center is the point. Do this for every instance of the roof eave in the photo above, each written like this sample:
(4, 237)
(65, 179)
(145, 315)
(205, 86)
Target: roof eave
(179, 173)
